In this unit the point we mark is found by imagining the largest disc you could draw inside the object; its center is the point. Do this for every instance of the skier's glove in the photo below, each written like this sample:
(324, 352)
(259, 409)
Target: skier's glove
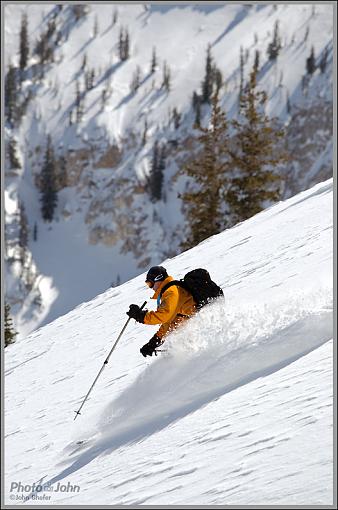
(150, 348)
(136, 313)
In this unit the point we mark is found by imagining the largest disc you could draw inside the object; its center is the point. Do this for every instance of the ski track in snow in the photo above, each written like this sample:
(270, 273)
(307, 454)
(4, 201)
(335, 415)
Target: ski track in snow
(237, 411)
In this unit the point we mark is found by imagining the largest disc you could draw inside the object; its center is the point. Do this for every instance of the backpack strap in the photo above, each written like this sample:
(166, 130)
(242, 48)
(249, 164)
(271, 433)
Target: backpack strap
(178, 283)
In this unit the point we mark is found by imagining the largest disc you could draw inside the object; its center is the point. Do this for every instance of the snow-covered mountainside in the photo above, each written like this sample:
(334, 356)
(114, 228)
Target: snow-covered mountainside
(106, 228)
(239, 410)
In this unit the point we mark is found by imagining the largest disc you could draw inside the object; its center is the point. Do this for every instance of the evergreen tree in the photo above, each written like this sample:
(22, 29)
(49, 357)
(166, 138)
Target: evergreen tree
(126, 45)
(196, 103)
(166, 83)
(104, 96)
(44, 49)
(153, 61)
(162, 159)
(84, 62)
(176, 118)
(323, 60)
(254, 156)
(23, 233)
(89, 79)
(11, 94)
(217, 79)
(256, 61)
(136, 80)
(78, 103)
(24, 44)
(155, 180)
(208, 78)
(123, 44)
(12, 153)
(197, 122)
(86, 81)
(203, 203)
(10, 332)
(145, 132)
(288, 103)
(114, 17)
(311, 62)
(48, 183)
(281, 75)
(35, 232)
(92, 78)
(276, 45)
(195, 99)
(95, 27)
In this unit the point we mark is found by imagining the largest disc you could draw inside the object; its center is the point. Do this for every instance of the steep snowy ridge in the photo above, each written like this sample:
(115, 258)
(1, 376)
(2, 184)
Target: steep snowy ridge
(105, 212)
(238, 410)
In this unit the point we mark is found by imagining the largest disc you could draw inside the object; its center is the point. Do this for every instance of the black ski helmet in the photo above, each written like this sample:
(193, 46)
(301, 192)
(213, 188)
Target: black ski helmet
(156, 274)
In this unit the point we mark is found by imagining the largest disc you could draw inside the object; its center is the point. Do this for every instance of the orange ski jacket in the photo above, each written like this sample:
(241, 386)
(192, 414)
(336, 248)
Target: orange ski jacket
(176, 305)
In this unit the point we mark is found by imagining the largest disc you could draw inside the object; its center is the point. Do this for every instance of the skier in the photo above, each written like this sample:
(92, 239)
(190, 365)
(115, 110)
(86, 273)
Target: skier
(174, 306)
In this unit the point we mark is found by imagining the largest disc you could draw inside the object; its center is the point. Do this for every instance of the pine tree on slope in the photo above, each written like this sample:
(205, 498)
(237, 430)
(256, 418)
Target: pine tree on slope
(155, 180)
(311, 62)
(11, 94)
(10, 332)
(48, 183)
(276, 45)
(208, 78)
(203, 204)
(254, 156)
(24, 44)
(12, 154)
(23, 233)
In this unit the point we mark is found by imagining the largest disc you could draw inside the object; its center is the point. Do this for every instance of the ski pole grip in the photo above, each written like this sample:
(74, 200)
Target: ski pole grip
(144, 304)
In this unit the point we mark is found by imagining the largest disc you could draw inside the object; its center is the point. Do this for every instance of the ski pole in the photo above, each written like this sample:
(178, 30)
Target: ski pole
(104, 364)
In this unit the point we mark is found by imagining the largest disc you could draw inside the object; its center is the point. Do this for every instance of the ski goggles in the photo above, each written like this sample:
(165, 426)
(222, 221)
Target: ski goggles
(150, 284)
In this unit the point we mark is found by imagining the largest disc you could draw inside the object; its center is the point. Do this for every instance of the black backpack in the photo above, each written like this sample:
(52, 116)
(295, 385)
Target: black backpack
(200, 286)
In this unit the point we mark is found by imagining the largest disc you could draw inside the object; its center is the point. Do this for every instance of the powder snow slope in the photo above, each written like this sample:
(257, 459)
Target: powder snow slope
(238, 411)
